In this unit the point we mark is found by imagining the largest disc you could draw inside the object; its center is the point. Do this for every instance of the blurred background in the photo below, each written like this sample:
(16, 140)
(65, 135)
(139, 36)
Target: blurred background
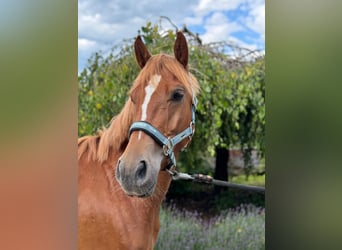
(40, 78)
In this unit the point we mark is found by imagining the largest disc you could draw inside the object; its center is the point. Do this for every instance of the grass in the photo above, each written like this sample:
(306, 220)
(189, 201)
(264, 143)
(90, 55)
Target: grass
(254, 180)
(242, 228)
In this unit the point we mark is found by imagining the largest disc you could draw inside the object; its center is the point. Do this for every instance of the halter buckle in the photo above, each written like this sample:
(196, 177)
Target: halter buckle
(168, 147)
(192, 126)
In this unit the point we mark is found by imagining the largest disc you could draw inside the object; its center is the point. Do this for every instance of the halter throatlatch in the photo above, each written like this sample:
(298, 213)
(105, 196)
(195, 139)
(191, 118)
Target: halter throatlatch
(167, 143)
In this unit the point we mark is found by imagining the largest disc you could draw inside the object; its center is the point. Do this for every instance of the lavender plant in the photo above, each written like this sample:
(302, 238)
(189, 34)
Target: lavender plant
(242, 228)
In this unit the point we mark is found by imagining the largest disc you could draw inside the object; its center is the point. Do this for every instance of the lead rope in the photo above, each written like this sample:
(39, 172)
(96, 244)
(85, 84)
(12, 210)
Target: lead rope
(207, 179)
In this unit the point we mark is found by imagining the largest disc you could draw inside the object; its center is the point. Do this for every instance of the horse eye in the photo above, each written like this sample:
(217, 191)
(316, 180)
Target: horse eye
(177, 96)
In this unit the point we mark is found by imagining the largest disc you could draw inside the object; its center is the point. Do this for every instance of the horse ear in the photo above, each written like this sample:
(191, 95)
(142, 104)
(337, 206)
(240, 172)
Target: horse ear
(141, 53)
(181, 49)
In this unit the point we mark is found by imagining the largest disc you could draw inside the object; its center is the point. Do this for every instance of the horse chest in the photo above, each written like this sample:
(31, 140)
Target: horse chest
(109, 219)
(116, 229)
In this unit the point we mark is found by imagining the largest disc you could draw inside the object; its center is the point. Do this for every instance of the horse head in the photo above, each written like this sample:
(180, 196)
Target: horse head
(164, 99)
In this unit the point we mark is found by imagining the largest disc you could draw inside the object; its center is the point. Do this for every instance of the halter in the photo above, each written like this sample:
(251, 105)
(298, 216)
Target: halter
(167, 143)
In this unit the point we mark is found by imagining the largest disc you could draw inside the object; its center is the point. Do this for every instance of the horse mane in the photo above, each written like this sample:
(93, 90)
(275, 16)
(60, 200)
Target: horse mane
(115, 137)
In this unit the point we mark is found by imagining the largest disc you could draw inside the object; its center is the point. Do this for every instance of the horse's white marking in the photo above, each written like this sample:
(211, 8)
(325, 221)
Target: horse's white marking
(149, 90)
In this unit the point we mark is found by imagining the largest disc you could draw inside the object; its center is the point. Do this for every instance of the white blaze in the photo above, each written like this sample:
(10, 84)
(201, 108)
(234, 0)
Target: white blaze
(149, 90)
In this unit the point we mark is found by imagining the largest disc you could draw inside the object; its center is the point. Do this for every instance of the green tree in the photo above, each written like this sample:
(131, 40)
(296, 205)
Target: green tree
(231, 108)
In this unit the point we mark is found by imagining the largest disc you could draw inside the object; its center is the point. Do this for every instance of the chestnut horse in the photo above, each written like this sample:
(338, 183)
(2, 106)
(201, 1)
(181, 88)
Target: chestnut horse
(122, 179)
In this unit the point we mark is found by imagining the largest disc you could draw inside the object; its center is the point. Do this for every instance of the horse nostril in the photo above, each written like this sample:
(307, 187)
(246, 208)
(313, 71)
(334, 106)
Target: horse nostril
(141, 170)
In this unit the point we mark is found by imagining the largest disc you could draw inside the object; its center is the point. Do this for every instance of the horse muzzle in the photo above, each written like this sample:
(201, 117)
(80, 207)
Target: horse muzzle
(136, 178)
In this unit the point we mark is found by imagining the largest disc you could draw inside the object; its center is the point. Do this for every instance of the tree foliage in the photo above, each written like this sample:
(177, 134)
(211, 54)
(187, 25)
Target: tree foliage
(231, 108)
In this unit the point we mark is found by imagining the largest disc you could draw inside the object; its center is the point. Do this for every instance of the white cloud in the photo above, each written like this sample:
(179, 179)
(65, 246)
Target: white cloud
(95, 28)
(206, 6)
(219, 28)
(85, 44)
(256, 19)
(195, 20)
(103, 23)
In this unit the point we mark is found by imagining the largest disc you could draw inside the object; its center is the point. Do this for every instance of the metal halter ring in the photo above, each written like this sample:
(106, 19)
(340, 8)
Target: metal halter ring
(168, 147)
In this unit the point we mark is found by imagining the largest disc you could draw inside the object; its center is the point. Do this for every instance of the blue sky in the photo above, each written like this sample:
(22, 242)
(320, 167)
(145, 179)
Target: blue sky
(104, 23)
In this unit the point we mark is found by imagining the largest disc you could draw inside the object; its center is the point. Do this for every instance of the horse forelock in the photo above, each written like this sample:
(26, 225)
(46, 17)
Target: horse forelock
(116, 135)
(162, 63)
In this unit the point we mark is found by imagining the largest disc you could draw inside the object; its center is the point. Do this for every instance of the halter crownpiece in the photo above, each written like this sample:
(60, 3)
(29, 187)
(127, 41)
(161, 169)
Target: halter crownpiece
(167, 143)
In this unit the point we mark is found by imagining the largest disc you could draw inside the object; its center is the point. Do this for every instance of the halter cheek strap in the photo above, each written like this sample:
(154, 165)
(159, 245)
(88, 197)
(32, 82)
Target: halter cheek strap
(167, 143)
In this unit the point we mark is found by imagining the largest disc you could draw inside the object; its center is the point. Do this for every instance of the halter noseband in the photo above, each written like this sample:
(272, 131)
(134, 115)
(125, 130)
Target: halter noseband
(167, 143)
